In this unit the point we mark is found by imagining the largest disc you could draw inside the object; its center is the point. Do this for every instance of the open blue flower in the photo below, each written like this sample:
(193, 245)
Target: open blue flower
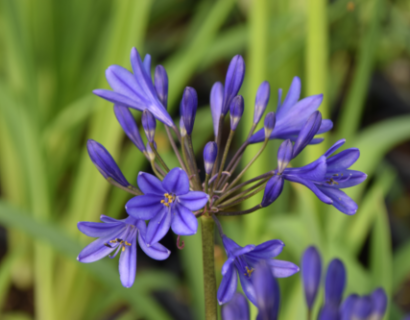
(167, 204)
(119, 236)
(244, 260)
(292, 114)
(135, 90)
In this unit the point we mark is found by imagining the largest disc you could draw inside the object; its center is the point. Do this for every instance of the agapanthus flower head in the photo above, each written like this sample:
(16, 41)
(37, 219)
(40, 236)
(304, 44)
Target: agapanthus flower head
(311, 274)
(105, 163)
(242, 262)
(210, 153)
(161, 84)
(149, 124)
(167, 203)
(189, 104)
(119, 236)
(128, 124)
(335, 282)
(233, 81)
(236, 111)
(236, 309)
(134, 90)
(261, 101)
(292, 115)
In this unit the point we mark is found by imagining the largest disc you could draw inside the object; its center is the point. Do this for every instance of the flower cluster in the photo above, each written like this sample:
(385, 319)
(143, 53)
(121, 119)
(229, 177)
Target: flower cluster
(175, 197)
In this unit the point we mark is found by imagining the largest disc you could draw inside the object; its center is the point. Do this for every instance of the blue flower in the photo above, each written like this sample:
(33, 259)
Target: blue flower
(311, 274)
(119, 236)
(127, 122)
(166, 204)
(242, 261)
(293, 114)
(236, 309)
(135, 90)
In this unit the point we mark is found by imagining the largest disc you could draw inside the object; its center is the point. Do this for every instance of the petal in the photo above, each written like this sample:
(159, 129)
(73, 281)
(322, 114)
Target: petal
(229, 245)
(156, 251)
(108, 219)
(128, 263)
(227, 265)
(98, 229)
(247, 287)
(158, 227)
(266, 250)
(314, 171)
(266, 291)
(335, 282)
(184, 222)
(216, 101)
(342, 160)
(311, 274)
(150, 184)
(176, 182)
(347, 178)
(228, 286)
(336, 146)
(273, 190)
(194, 200)
(145, 207)
(308, 131)
(123, 82)
(236, 309)
(120, 99)
(292, 96)
(128, 124)
(341, 201)
(346, 309)
(362, 308)
(328, 312)
(233, 81)
(325, 126)
(147, 64)
(96, 250)
(379, 299)
(284, 155)
(313, 187)
(282, 269)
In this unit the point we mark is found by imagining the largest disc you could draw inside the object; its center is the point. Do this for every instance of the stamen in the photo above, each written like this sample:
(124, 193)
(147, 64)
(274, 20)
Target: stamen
(249, 271)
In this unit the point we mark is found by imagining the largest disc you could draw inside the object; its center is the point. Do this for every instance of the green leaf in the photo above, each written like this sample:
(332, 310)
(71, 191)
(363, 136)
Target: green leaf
(401, 265)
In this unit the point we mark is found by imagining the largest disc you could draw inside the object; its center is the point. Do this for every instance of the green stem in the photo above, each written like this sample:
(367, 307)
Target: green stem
(161, 161)
(221, 167)
(208, 242)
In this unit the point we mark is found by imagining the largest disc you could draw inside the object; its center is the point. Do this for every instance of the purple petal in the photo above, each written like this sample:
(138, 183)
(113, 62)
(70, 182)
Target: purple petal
(147, 64)
(314, 171)
(273, 190)
(236, 309)
(158, 227)
(346, 308)
(188, 107)
(233, 81)
(108, 219)
(227, 264)
(230, 245)
(247, 287)
(228, 286)
(128, 124)
(236, 111)
(267, 250)
(261, 101)
(313, 187)
(329, 312)
(176, 182)
(149, 124)
(216, 101)
(282, 269)
(292, 96)
(346, 179)
(123, 82)
(308, 131)
(325, 126)
(285, 152)
(120, 99)
(128, 263)
(184, 222)
(96, 250)
(150, 184)
(336, 146)
(335, 282)
(362, 308)
(98, 229)
(210, 153)
(341, 201)
(161, 84)
(267, 292)
(156, 251)
(311, 274)
(379, 299)
(145, 207)
(342, 160)
(194, 200)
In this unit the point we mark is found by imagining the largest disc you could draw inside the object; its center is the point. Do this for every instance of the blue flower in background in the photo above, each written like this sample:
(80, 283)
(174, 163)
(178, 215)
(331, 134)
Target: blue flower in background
(166, 204)
(292, 114)
(242, 261)
(119, 236)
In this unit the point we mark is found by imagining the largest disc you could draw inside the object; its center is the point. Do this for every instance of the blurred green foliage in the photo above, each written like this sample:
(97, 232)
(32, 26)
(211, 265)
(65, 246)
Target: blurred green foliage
(53, 53)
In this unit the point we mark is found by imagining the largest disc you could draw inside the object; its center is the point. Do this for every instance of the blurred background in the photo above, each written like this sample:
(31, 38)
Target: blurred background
(54, 53)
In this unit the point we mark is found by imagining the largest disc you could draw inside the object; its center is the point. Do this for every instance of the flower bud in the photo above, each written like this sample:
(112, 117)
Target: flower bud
(379, 300)
(189, 104)
(210, 153)
(362, 308)
(307, 132)
(269, 124)
(311, 274)
(150, 152)
(273, 190)
(182, 129)
(346, 310)
(149, 124)
(106, 164)
(236, 309)
(216, 101)
(284, 155)
(233, 81)
(335, 282)
(147, 64)
(261, 101)
(128, 124)
(236, 111)
(279, 99)
(161, 84)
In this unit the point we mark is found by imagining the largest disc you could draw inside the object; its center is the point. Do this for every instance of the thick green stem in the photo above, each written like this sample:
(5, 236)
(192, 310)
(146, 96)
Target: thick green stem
(208, 242)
